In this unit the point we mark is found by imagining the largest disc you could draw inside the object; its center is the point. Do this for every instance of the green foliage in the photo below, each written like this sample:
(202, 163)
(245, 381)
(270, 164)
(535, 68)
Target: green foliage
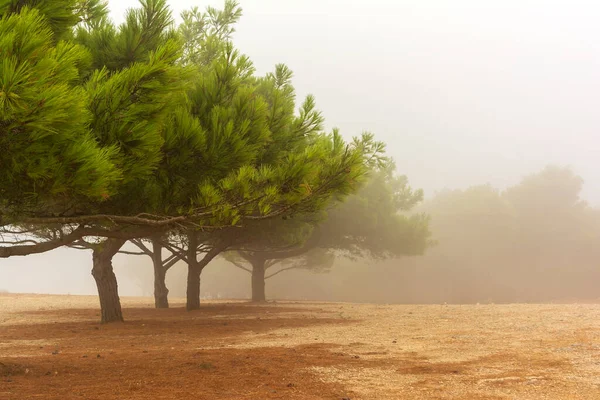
(244, 144)
(144, 31)
(204, 34)
(146, 119)
(130, 107)
(60, 15)
(47, 151)
(92, 13)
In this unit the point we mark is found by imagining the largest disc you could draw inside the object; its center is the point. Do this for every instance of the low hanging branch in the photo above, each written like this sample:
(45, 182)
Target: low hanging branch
(75, 237)
(281, 270)
(17, 242)
(240, 266)
(132, 253)
(144, 219)
(23, 250)
(115, 219)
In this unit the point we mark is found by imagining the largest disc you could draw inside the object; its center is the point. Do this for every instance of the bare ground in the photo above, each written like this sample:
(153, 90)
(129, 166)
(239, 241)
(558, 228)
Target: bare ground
(51, 347)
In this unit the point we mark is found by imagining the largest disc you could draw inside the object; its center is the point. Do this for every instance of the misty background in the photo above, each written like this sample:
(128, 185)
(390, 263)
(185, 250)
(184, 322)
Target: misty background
(464, 93)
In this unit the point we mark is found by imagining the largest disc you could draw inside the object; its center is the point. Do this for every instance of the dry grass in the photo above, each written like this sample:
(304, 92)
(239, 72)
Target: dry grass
(299, 351)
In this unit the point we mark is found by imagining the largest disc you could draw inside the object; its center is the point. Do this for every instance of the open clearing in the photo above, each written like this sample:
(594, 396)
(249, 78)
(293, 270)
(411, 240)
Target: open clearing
(51, 347)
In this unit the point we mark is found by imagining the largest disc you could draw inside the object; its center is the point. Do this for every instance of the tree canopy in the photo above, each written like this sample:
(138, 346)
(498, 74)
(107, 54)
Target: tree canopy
(199, 137)
(141, 129)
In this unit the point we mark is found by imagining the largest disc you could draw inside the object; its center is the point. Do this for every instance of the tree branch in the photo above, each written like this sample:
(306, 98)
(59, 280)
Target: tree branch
(144, 219)
(116, 219)
(5, 230)
(20, 241)
(81, 244)
(23, 250)
(170, 258)
(169, 262)
(170, 246)
(240, 266)
(280, 249)
(180, 254)
(281, 270)
(140, 244)
(133, 253)
(67, 239)
(215, 251)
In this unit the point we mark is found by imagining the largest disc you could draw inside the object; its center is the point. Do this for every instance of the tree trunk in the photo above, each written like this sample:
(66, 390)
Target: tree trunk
(161, 293)
(195, 268)
(258, 279)
(193, 278)
(193, 287)
(106, 281)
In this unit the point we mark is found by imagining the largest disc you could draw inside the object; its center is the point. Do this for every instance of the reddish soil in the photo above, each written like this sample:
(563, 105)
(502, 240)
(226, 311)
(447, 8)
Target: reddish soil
(163, 354)
(52, 347)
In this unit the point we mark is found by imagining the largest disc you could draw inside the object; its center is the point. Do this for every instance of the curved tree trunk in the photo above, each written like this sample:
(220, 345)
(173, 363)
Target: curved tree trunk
(106, 281)
(258, 280)
(161, 292)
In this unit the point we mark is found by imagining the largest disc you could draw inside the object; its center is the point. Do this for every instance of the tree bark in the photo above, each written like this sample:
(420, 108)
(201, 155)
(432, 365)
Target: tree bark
(195, 268)
(106, 281)
(193, 287)
(193, 278)
(161, 293)
(258, 279)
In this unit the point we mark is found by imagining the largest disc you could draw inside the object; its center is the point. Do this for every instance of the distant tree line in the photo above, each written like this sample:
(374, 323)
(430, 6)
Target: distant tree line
(536, 241)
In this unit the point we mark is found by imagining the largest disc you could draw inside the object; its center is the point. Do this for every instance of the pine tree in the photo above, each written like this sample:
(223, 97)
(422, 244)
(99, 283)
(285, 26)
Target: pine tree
(373, 223)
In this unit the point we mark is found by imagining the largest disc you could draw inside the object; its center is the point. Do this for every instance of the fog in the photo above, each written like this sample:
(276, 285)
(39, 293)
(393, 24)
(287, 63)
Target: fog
(464, 93)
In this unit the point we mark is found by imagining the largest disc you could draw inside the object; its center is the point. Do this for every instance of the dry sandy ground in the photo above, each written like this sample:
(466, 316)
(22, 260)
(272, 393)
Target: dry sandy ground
(51, 347)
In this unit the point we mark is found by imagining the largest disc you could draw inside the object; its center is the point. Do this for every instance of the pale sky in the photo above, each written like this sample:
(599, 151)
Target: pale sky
(464, 91)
